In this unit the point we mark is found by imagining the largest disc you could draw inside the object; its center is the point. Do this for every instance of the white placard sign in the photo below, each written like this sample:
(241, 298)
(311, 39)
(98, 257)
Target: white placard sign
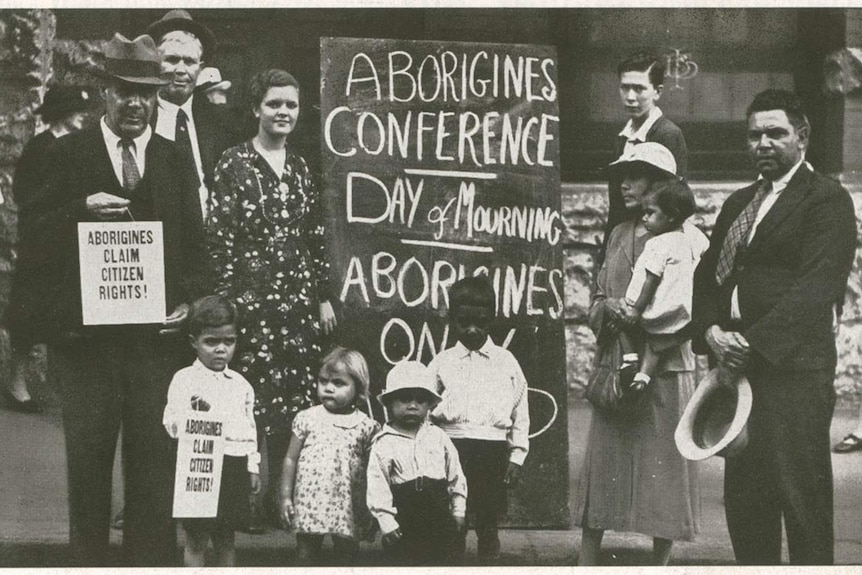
(200, 455)
(122, 272)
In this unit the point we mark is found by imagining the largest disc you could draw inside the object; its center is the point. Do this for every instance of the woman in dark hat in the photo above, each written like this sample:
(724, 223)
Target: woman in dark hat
(63, 110)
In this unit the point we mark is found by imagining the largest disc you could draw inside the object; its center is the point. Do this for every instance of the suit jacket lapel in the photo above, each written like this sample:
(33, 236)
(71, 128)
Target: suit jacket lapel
(203, 125)
(102, 168)
(788, 200)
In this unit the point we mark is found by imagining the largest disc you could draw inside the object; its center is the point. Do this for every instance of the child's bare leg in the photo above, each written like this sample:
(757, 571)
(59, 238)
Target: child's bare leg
(629, 366)
(225, 550)
(344, 550)
(308, 549)
(648, 367)
(650, 361)
(194, 552)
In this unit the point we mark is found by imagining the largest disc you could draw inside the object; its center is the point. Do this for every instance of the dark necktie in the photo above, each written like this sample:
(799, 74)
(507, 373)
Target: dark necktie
(131, 175)
(183, 141)
(738, 233)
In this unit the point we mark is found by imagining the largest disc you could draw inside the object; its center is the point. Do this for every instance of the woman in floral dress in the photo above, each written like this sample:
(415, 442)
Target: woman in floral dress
(266, 238)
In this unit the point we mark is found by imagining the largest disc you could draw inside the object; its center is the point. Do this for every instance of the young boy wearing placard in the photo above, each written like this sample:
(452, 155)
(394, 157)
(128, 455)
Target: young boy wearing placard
(210, 387)
(483, 409)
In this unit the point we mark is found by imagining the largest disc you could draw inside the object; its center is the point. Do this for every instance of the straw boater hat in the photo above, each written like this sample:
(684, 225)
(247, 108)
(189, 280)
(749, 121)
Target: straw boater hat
(409, 375)
(135, 61)
(650, 154)
(182, 20)
(714, 421)
(210, 80)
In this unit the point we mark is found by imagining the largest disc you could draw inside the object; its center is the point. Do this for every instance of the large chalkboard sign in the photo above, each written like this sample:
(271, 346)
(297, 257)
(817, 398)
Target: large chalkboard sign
(441, 160)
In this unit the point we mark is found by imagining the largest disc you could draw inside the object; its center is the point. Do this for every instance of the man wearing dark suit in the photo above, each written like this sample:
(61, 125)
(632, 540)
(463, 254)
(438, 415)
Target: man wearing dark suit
(765, 300)
(641, 83)
(200, 129)
(113, 376)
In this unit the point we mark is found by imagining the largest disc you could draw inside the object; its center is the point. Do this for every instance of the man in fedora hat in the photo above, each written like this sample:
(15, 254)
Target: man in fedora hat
(117, 376)
(765, 300)
(201, 130)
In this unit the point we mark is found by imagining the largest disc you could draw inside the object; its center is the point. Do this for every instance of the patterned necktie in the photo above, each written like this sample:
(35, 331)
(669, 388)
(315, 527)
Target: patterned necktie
(737, 235)
(183, 141)
(131, 175)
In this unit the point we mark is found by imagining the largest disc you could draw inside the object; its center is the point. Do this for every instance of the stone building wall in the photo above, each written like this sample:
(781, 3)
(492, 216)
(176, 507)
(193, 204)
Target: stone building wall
(584, 209)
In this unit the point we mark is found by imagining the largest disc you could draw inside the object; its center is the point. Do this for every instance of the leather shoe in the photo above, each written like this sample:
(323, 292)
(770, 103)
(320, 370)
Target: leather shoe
(255, 525)
(850, 443)
(26, 406)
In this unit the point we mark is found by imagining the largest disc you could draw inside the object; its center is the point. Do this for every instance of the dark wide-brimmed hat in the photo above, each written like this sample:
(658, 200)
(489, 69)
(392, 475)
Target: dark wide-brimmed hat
(62, 101)
(182, 20)
(650, 154)
(715, 419)
(135, 61)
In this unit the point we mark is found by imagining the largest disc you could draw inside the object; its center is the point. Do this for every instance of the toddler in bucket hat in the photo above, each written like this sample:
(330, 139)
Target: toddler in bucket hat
(408, 377)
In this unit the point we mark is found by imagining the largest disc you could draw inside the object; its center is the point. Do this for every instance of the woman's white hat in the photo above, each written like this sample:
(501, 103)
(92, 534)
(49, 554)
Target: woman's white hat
(210, 79)
(714, 421)
(409, 375)
(651, 154)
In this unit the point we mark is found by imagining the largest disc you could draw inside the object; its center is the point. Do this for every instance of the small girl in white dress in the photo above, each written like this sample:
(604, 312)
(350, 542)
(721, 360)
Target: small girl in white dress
(659, 295)
(324, 480)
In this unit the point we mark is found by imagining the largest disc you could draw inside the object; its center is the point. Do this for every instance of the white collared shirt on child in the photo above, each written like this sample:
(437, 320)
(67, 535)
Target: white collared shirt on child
(484, 397)
(229, 396)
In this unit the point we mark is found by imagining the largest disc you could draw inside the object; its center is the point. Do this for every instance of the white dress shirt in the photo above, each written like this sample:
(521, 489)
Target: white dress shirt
(229, 396)
(484, 397)
(166, 126)
(115, 150)
(639, 136)
(398, 458)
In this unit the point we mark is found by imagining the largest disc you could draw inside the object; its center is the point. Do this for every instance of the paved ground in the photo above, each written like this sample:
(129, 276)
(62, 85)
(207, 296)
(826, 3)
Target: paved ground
(34, 531)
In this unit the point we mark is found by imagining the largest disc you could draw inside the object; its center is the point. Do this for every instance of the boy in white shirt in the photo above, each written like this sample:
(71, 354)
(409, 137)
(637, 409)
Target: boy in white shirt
(209, 385)
(484, 408)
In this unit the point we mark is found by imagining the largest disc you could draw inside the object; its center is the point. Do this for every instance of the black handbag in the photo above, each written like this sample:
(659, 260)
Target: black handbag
(603, 389)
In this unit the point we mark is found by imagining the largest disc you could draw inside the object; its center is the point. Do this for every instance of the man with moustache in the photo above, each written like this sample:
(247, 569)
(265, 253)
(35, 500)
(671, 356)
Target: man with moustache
(766, 296)
(201, 130)
(113, 376)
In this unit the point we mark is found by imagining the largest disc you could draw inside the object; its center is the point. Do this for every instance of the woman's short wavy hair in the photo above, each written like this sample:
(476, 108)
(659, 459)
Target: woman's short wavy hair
(263, 81)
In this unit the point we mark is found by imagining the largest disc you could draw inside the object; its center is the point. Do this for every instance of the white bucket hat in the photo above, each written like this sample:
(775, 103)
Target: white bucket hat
(651, 154)
(409, 375)
(714, 421)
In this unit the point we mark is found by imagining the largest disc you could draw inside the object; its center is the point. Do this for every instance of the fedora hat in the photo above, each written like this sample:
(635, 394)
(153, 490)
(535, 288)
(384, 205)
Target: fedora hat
(182, 20)
(651, 154)
(409, 375)
(135, 61)
(210, 79)
(715, 418)
(61, 101)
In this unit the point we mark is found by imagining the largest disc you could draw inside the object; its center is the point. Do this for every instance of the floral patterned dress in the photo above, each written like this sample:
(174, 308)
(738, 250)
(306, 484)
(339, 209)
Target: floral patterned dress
(329, 493)
(266, 238)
